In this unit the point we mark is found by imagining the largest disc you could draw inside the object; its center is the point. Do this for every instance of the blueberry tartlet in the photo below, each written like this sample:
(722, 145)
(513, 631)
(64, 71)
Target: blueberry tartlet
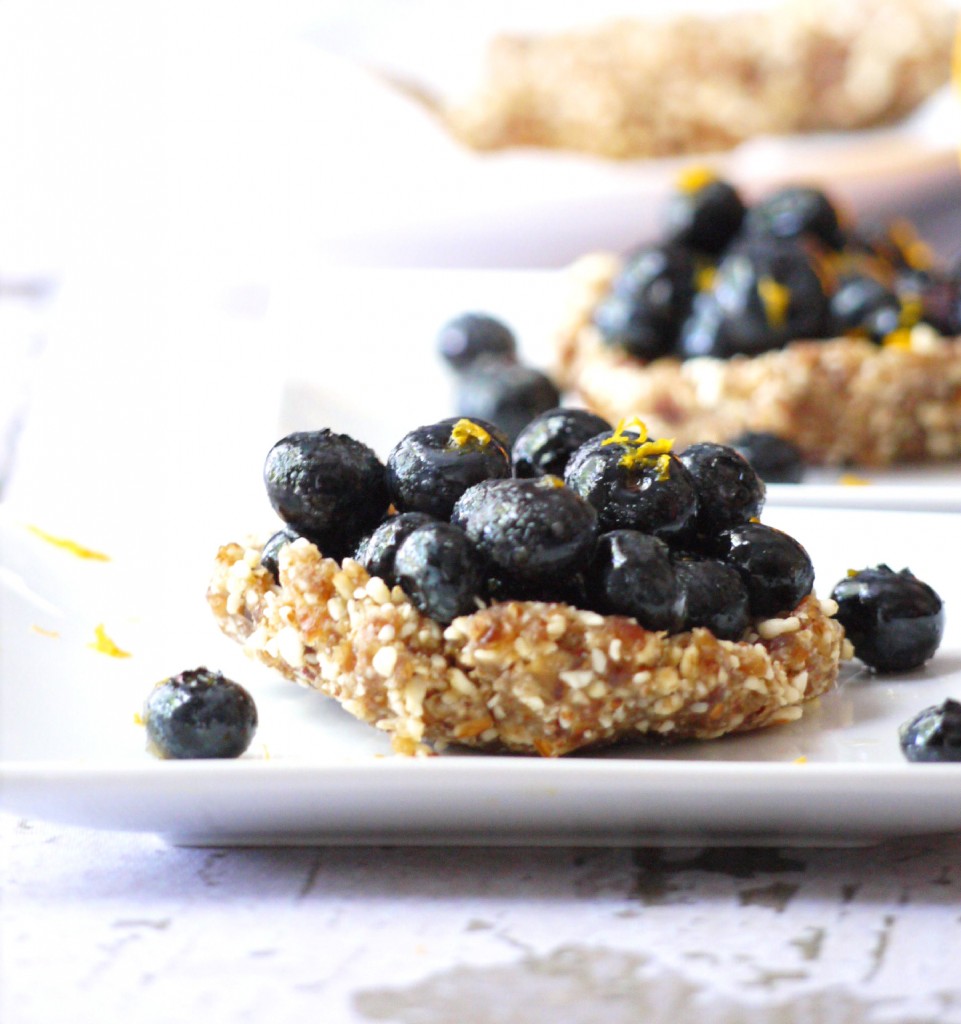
(778, 318)
(630, 595)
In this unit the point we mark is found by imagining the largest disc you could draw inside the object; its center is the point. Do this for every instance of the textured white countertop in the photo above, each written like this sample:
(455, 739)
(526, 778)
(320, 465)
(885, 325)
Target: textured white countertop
(111, 927)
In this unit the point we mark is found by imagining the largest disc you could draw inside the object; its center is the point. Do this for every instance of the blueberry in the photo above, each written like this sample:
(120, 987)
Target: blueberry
(632, 574)
(633, 483)
(199, 714)
(775, 568)
(893, 619)
(704, 212)
(432, 466)
(529, 531)
(934, 734)
(377, 551)
(271, 551)
(327, 487)
(714, 597)
(509, 394)
(545, 445)
(439, 570)
(649, 300)
(765, 293)
(729, 491)
(776, 460)
(860, 302)
(568, 588)
(470, 336)
(795, 212)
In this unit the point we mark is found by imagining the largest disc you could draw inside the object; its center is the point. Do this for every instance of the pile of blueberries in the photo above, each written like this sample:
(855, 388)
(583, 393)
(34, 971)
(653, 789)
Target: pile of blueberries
(728, 278)
(492, 383)
(576, 511)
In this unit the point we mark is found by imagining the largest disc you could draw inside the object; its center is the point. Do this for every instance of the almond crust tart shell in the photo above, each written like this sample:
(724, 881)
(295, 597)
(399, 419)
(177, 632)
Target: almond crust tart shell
(843, 401)
(519, 676)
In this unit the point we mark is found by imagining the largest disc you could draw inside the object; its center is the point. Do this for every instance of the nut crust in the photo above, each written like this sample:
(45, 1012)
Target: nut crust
(842, 401)
(527, 677)
(667, 86)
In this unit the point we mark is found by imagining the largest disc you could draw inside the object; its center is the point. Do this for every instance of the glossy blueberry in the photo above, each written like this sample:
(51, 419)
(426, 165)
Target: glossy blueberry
(471, 336)
(776, 460)
(545, 445)
(648, 301)
(765, 293)
(508, 394)
(704, 213)
(327, 487)
(714, 597)
(377, 551)
(893, 619)
(863, 304)
(565, 588)
(795, 212)
(439, 569)
(729, 490)
(934, 734)
(432, 466)
(629, 490)
(199, 714)
(528, 530)
(271, 551)
(632, 574)
(775, 568)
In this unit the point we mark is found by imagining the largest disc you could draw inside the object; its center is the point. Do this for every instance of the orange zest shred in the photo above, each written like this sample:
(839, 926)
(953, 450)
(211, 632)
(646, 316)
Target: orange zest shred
(464, 431)
(776, 298)
(694, 178)
(641, 452)
(52, 633)
(68, 545)
(851, 480)
(102, 644)
(900, 337)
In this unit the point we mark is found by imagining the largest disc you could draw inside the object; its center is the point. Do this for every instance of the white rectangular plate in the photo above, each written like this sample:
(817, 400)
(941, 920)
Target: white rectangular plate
(70, 748)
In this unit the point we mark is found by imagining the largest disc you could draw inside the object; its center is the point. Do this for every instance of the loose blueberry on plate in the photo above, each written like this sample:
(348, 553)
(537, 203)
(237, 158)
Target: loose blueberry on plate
(199, 714)
(649, 300)
(271, 552)
(509, 394)
(634, 483)
(545, 445)
(729, 490)
(775, 568)
(377, 551)
(776, 460)
(471, 336)
(894, 620)
(714, 597)
(704, 212)
(934, 734)
(432, 466)
(529, 531)
(632, 574)
(438, 568)
(327, 487)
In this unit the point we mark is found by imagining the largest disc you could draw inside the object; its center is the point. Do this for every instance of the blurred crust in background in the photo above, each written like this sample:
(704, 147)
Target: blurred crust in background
(694, 83)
